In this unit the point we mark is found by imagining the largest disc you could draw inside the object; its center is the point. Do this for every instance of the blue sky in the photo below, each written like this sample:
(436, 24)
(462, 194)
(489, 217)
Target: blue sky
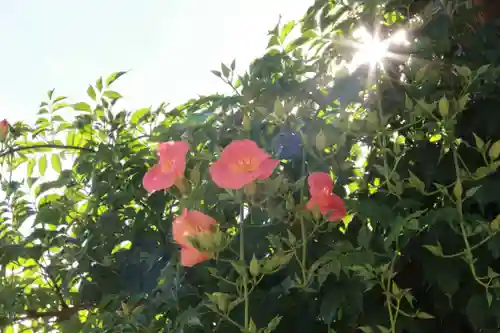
(170, 46)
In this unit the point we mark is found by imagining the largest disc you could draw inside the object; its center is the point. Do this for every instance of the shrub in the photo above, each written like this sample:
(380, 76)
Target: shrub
(316, 198)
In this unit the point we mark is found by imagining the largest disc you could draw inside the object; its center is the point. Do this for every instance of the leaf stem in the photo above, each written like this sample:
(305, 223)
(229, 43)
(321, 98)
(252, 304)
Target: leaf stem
(242, 258)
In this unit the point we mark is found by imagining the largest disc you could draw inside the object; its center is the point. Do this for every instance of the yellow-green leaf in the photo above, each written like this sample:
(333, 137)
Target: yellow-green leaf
(494, 151)
(444, 107)
(42, 165)
(320, 141)
(254, 266)
(56, 163)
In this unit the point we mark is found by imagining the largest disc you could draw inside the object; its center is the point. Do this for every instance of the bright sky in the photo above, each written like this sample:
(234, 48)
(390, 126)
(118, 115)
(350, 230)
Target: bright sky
(170, 46)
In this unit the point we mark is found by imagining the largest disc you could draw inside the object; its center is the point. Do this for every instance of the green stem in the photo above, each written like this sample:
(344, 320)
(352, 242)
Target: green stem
(392, 316)
(53, 146)
(473, 247)
(304, 251)
(458, 202)
(303, 230)
(242, 258)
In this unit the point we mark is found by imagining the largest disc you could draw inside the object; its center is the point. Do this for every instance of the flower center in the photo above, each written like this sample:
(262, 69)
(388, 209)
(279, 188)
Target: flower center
(166, 166)
(244, 165)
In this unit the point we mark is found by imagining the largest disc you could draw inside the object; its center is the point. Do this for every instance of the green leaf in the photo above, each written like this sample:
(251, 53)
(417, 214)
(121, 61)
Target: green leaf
(273, 324)
(70, 138)
(139, 115)
(254, 266)
(31, 166)
(483, 69)
(240, 267)
(462, 102)
(42, 165)
(82, 106)
(225, 70)
(435, 250)
(217, 73)
(56, 163)
(424, 315)
(91, 93)
(444, 107)
(416, 182)
(98, 84)
(286, 30)
(50, 93)
(479, 142)
(195, 175)
(113, 77)
(470, 192)
(463, 71)
(59, 106)
(419, 76)
(494, 151)
(364, 237)
(291, 237)
(112, 94)
(495, 224)
(297, 43)
(320, 141)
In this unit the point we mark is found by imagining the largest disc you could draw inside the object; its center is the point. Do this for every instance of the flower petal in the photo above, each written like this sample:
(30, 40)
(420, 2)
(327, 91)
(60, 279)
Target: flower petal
(191, 223)
(267, 167)
(331, 206)
(190, 256)
(172, 148)
(223, 177)
(319, 183)
(156, 180)
(242, 149)
(174, 153)
(201, 221)
(336, 209)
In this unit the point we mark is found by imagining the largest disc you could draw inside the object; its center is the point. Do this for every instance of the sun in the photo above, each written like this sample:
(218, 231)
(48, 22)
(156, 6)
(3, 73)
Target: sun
(372, 50)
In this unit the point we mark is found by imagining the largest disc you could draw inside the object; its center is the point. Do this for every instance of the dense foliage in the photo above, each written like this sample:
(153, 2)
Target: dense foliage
(209, 238)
